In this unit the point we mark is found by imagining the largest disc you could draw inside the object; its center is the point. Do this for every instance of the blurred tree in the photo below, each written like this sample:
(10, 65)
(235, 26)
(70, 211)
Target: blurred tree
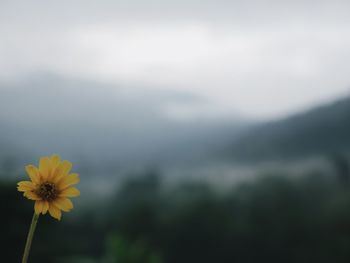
(342, 169)
(120, 250)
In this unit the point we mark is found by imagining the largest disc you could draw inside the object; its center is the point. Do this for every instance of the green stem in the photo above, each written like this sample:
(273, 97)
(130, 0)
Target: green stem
(30, 238)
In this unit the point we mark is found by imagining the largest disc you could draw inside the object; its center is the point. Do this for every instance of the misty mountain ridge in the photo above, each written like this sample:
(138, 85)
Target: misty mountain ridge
(104, 125)
(106, 128)
(322, 131)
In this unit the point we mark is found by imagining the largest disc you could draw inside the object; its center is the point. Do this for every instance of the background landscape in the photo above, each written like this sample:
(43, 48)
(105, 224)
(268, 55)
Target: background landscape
(211, 132)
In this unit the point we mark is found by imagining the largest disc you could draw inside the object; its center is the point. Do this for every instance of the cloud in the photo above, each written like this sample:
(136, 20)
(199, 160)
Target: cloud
(260, 58)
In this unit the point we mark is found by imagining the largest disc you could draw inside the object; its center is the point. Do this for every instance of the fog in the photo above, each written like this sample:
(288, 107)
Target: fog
(107, 126)
(261, 59)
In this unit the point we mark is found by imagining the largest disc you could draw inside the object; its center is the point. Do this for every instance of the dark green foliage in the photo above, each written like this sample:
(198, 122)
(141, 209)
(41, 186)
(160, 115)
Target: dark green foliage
(123, 251)
(273, 219)
(15, 215)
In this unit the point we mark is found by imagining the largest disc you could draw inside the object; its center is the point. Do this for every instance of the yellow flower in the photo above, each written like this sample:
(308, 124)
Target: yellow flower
(50, 186)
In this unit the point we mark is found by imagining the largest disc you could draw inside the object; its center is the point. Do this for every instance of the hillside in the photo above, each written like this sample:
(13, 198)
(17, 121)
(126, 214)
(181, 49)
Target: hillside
(321, 131)
(103, 126)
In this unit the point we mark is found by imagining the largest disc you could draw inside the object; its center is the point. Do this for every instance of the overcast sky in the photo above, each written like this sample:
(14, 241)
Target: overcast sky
(264, 59)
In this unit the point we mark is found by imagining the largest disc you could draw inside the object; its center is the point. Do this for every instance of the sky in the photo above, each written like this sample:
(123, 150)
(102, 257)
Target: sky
(262, 59)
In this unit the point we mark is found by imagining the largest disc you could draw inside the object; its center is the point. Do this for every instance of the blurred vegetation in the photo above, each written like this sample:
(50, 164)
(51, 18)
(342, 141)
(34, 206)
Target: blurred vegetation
(276, 218)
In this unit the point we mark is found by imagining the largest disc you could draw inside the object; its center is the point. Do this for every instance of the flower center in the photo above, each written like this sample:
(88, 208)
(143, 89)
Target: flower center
(47, 191)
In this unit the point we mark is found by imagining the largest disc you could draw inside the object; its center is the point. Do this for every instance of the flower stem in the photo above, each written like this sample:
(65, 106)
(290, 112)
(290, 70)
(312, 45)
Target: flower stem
(30, 237)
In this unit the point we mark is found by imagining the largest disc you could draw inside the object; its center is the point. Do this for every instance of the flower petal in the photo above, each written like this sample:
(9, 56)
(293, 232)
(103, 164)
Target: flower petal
(70, 192)
(55, 212)
(64, 204)
(68, 181)
(62, 170)
(38, 207)
(44, 167)
(45, 207)
(31, 195)
(25, 186)
(55, 160)
(33, 173)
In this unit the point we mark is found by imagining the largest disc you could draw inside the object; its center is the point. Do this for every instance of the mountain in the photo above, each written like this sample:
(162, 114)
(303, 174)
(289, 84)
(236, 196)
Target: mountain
(104, 126)
(320, 131)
